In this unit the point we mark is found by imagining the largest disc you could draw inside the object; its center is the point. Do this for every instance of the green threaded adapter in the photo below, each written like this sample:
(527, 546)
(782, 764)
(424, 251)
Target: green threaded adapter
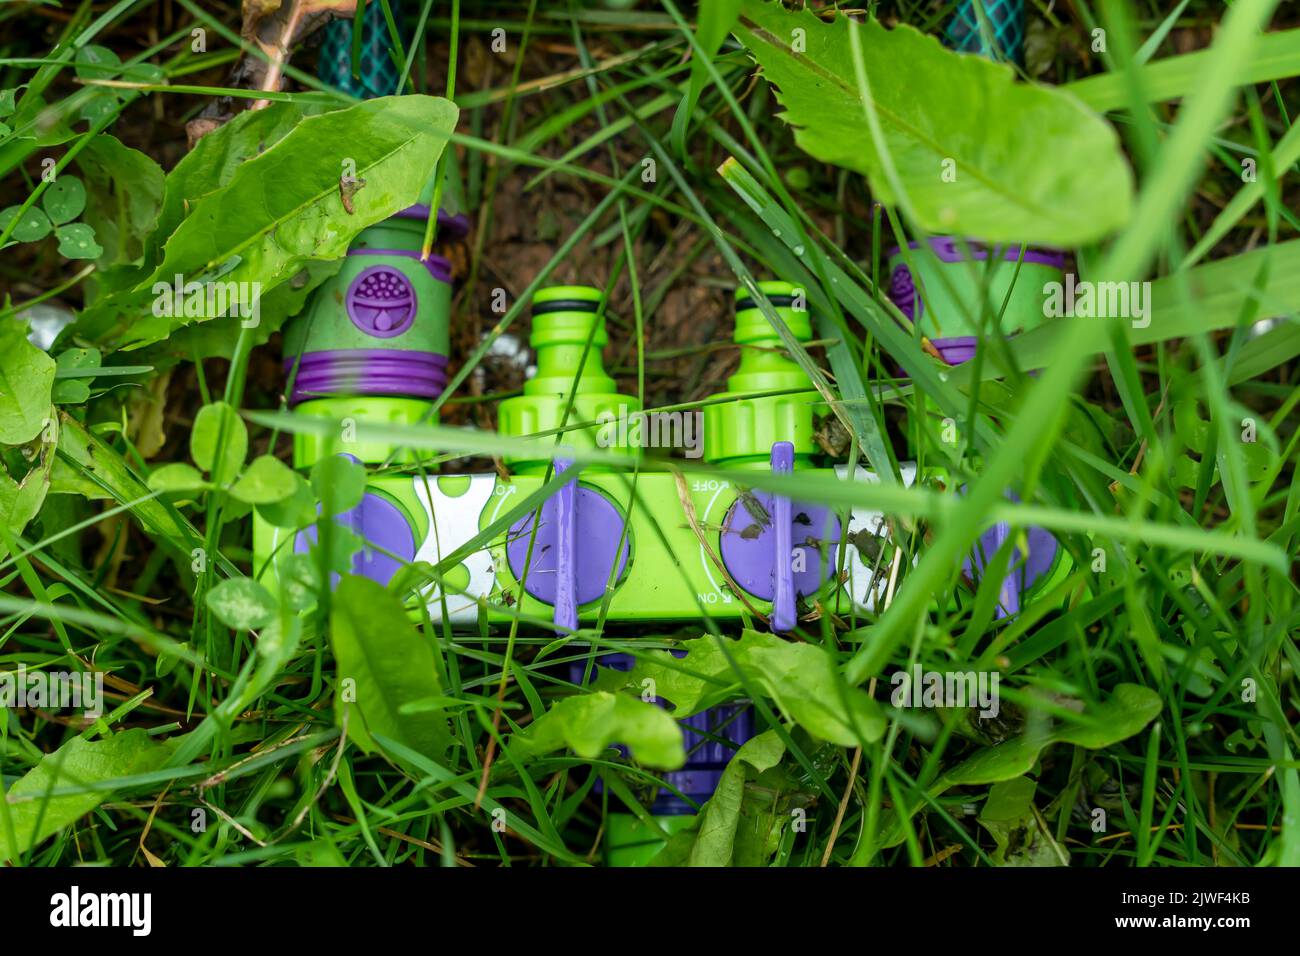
(565, 318)
(741, 432)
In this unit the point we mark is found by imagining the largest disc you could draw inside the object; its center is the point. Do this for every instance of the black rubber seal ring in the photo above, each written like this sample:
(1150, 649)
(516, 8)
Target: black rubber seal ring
(780, 301)
(565, 305)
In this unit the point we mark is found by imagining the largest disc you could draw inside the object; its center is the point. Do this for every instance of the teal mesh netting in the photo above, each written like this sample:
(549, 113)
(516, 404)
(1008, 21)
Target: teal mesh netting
(378, 72)
(1006, 20)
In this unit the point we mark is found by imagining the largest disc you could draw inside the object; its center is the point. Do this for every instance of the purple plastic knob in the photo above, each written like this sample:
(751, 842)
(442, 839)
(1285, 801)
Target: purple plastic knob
(381, 302)
(576, 546)
(389, 540)
(1025, 569)
(772, 547)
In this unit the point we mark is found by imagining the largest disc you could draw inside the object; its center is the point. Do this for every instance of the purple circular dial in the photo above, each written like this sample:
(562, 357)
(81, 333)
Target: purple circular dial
(381, 302)
(599, 531)
(749, 546)
(389, 541)
(1026, 570)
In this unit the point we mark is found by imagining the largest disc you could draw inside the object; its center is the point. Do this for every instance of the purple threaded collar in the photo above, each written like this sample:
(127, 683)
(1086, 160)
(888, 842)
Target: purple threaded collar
(453, 227)
(438, 267)
(393, 373)
(948, 249)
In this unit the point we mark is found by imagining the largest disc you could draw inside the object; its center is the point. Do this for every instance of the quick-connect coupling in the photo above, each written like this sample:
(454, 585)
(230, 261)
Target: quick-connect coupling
(740, 426)
(568, 335)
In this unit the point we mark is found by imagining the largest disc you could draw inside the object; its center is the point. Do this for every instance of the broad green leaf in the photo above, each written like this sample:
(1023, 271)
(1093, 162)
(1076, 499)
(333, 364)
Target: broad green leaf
(178, 476)
(1004, 761)
(1026, 158)
(34, 224)
(219, 337)
(64, 199)
(338, 482)
(1130, 708)
(126, 189)
(383, 662)
(589, 724)
(78, 764)
(251, 234)
(93, 464)
(77, 241)
(26, 382)
(801, 679)
(212, 163)
(219, 441)
(266, 480)
(715, 841)
(241, 603)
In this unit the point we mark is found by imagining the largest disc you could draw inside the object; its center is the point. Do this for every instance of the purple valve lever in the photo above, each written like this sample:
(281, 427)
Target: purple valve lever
(566, 558)
(783, 616)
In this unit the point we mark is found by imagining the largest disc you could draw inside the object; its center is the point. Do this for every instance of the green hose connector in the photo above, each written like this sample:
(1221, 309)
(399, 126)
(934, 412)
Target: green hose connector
(567, 322)
(741, 427)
